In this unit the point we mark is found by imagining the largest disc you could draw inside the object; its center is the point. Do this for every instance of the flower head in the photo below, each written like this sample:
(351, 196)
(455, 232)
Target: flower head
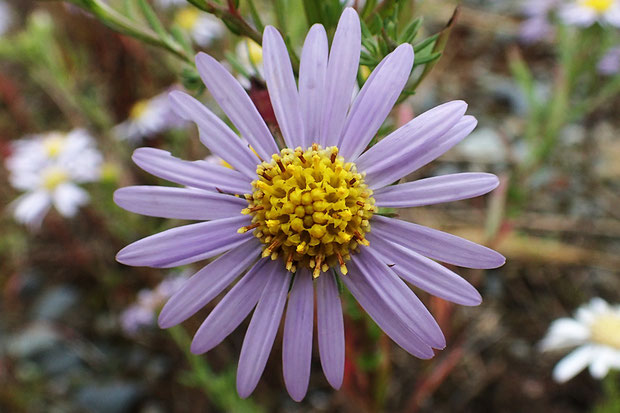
(609, 64)
(148, 117)
(170, 3)
(49, 167)
(202, 27)
(595, 331)
(536, 26)
(587, 12)
(307, 214)
(6, 17)
(142, 313)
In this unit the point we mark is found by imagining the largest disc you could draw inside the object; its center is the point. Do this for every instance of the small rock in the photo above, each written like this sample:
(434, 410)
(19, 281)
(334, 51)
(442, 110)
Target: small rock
(59, 359)
(483, 145)
(116, 397)
(33, 340)
(55, 303)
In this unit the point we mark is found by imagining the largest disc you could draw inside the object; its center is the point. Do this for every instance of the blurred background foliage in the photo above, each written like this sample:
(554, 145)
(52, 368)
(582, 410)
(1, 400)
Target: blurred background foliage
(548, 126)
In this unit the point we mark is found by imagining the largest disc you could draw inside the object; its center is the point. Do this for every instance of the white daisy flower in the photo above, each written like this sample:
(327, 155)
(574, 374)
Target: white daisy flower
(587, 12)
(595, 331)
(148, 117)
(250, 55)
(6, 17)
(48, 168)
(202, 27)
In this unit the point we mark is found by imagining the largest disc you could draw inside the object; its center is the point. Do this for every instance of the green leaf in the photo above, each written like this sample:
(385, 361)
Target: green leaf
(369, 6)
(411, 31)
(313, 11)
(153, 20)
(425, 43)
(427, 59)
(180, 37)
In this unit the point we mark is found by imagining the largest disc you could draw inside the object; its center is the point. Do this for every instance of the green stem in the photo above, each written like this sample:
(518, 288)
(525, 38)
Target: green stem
(255, 16)
(120, 23)
(312, 9)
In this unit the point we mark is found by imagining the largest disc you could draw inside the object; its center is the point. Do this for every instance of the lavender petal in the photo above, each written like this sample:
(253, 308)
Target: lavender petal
(312, 70)
(297, 340)
(196, 174)
(407, 148)
(383, 315)
(262, 330)
(425, 273)
(207, 283)
(341, 76)
(186, 244)
(178, 203)
(215, 134)
(399, 297)
(282, 88)
(375, 101)
(435, 190)
(330, 329)
(237, 105)
(436, 244)
(234, 308)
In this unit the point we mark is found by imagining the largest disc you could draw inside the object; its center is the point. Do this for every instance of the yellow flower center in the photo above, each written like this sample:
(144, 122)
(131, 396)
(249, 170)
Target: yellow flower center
(310, 208)
(187, 18)
(138, 109)
(599, 6)
(54, 176)
(255, 52)
(606, 330)
(54, 144)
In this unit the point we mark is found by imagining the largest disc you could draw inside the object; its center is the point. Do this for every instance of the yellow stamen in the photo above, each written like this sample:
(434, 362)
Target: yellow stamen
(606, 330)
(138, 109)
(53, 177)
(245, 229)
(255, 52)
(187, 18)
(599, 6)
(54, 144)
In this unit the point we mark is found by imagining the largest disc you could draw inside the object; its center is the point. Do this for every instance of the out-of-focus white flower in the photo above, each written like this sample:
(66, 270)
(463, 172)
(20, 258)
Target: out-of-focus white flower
(170, 3)
(142, 313)
(587, 12)
(595, 331)
(250, 55)
(48, 168)
(202, 27)
(610, 63)
(6, 17)
(148, 117)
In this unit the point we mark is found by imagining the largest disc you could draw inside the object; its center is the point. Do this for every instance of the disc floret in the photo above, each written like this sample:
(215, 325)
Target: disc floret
(310, 207)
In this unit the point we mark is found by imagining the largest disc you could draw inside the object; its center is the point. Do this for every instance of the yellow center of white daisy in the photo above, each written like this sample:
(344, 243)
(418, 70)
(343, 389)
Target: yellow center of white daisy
(606, 330)
(54, 176)
(187, 18)
(599, 6)
(311, 208)
(54, 144)
(255, 52)
(138, 109)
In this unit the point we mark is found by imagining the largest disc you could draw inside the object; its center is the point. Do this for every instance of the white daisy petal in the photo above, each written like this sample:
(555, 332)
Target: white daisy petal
(572, 364)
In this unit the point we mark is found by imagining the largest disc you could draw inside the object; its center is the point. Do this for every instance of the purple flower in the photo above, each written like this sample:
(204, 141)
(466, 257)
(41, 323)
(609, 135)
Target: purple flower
(537, 25)
(610, 63)
(141, 314)
(309, 209)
